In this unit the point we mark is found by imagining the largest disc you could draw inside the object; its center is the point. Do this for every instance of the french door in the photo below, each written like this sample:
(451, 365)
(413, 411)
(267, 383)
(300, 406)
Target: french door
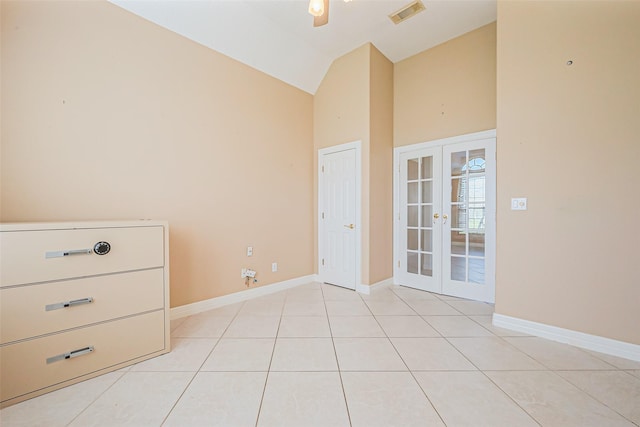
(447, 219)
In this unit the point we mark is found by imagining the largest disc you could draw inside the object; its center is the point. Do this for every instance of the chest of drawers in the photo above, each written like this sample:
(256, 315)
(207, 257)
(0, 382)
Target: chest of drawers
(79, 300)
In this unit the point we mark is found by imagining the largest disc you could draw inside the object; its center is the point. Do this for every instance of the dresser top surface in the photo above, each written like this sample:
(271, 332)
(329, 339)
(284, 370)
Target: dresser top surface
(73, 225)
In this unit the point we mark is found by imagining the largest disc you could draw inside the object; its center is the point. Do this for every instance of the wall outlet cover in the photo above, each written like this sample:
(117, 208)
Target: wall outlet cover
(519, 204)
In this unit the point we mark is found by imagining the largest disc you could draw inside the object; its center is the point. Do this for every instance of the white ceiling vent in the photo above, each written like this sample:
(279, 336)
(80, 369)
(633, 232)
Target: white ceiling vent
(407, 12)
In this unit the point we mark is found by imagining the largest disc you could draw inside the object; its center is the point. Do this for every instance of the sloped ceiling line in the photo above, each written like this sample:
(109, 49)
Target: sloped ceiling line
(277, 36)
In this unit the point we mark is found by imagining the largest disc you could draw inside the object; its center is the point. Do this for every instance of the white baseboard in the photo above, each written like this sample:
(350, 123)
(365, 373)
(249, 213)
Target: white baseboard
(363, 289)
(567, 336)
(368, 289)
(209, 304)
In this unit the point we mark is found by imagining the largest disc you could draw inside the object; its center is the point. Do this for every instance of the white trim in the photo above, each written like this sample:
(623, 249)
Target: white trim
(369, 289)
(361, 288)
(485, 134)
(567, 336)
(209, 304)
(356, 145)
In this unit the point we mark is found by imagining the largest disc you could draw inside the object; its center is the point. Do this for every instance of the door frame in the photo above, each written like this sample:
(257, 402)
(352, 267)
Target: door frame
(397, 249)
(357, 146)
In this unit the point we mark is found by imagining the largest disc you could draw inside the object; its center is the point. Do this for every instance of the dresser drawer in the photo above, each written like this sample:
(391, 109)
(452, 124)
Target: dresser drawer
(33, 310)
(47, 255)
(24, 367)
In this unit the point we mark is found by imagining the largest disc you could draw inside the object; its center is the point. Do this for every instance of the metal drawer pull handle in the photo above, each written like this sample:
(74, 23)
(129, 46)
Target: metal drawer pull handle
(71, 354)
(59, 305)
(58, 254)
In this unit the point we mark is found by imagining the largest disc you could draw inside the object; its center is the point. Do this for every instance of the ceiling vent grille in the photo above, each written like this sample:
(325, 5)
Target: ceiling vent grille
(407, 12)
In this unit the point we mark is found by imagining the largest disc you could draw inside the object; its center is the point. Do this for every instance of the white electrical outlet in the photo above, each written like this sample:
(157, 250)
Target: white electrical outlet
(243, 273)
(250, 273)
(274, 267)
(519, 204)
(249, 250)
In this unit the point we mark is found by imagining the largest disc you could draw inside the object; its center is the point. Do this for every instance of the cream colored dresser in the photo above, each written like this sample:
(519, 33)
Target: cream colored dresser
(78, 300)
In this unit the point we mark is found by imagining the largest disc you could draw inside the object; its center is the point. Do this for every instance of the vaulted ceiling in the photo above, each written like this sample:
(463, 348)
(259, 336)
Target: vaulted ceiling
(278, 37)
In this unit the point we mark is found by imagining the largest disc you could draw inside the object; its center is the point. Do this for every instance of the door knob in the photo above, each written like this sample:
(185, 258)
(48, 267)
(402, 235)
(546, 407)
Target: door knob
(445, 217)
(350, 226)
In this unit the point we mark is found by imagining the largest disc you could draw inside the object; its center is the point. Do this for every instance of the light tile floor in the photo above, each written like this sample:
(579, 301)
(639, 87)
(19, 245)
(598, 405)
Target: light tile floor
(319, 355)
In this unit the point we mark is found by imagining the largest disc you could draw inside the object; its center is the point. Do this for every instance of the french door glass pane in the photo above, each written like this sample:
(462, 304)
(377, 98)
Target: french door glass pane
(427, 168)
(458, 161)
(412, 169)
(427, 194)
(426, 216)
(476, 270)
(458, 243)
(412, 239)
(476, 161)
(412, 192)
(412, 262)
(476, 244)
(458, 189)
(426, 241)
(458, 216)
(426, 268)
(412, 216)
(458, 268)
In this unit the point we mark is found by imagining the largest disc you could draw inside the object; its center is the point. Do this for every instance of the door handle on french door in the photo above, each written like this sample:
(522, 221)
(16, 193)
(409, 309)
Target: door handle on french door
(350, 226)
(444, 218)
(435, 217)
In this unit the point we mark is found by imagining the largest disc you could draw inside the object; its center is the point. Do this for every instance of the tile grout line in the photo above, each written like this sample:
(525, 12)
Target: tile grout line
(273, 350)
(546, 367)
(474, 365)
(508, 395)
(486, 376)
(335, 353)
(97, 397)
(407, 366)
(594, 397)
(195, 374)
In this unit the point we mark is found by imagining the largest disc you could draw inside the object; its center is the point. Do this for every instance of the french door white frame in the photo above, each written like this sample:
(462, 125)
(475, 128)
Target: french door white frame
(357, 146)
(398, 249)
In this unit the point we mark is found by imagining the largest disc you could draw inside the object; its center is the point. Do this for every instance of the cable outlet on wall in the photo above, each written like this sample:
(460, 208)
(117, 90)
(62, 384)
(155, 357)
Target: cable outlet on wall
(249, 250)
(274, 267)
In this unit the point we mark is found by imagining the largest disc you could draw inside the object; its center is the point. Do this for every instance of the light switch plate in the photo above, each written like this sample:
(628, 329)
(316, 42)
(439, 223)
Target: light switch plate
(519, 204)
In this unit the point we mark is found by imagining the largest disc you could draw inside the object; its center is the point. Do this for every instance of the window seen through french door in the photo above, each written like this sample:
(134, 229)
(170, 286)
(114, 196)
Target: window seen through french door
(446, 219)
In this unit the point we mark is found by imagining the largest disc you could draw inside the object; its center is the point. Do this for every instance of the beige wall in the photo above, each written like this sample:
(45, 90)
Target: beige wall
(107, 116)
(568, 140)
(354, 102)
(341, 103)
(448, 90)
(381, 168)
(341, 115)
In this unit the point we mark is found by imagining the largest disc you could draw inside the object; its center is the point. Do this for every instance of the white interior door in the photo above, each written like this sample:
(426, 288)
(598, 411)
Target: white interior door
(338, 218)
(446, 219)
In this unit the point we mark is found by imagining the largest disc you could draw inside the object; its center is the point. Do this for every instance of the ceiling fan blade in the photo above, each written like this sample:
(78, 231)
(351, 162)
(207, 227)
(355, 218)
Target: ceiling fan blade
(323, 19)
